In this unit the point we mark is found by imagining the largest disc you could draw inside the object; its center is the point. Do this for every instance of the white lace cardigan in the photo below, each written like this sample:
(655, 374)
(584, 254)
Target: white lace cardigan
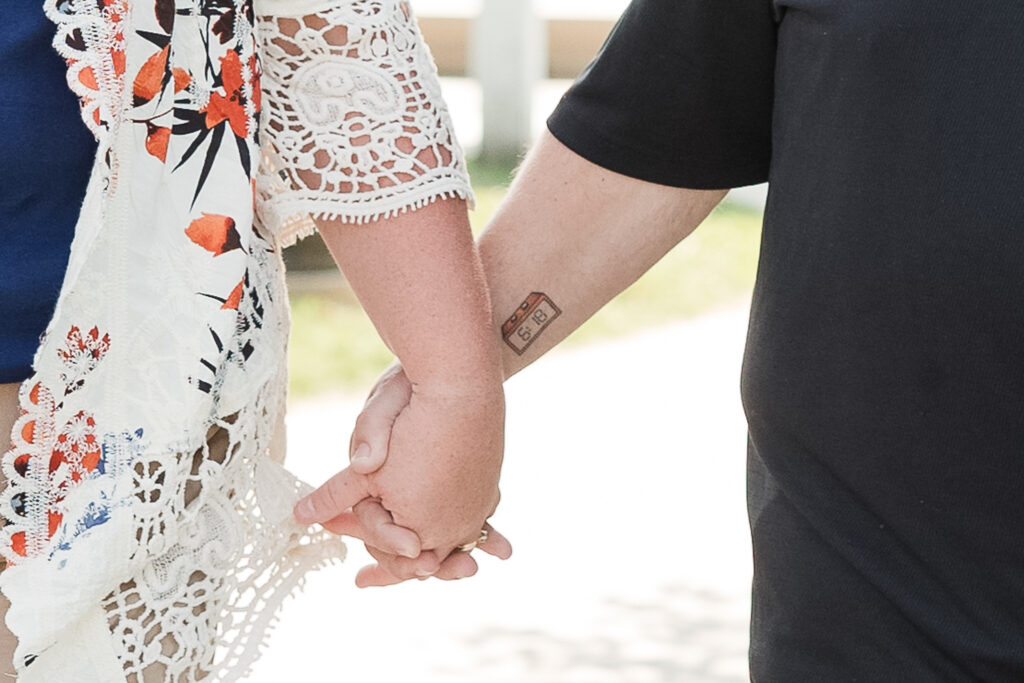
(149, 529)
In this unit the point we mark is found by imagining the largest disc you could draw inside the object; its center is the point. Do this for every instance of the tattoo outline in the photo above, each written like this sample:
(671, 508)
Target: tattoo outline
(532, 317)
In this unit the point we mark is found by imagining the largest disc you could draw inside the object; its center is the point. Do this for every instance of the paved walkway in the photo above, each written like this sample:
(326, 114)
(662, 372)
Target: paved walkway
(623, 496)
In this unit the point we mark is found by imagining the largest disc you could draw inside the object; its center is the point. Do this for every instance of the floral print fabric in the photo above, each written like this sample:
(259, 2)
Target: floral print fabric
(145, 487)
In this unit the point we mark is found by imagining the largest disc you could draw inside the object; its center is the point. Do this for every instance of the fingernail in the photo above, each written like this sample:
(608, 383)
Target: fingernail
(362, 453)
(409, 551)
(304, 510)
(424, 574)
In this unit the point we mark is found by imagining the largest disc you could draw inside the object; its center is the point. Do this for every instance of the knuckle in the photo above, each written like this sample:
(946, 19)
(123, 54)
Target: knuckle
(362, 510)
(332, 499)
(398, 569)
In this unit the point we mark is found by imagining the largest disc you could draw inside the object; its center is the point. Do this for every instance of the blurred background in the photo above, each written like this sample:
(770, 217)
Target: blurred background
(623, 484)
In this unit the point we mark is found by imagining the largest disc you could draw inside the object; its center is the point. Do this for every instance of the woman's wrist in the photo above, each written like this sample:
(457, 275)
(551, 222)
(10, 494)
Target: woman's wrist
(473, 370)
(484, 385)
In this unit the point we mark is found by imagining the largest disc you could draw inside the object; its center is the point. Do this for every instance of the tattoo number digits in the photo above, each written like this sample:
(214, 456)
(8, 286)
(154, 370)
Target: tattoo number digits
(531, 318)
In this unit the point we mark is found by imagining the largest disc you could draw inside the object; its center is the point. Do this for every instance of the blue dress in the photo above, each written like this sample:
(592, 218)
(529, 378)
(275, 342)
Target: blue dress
(47, 154)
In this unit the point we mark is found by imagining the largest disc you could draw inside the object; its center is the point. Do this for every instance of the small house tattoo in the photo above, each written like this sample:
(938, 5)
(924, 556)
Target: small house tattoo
(529, 320)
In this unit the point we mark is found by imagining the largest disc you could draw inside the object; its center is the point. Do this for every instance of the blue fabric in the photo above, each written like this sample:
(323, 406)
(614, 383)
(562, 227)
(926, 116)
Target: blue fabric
(46, 154)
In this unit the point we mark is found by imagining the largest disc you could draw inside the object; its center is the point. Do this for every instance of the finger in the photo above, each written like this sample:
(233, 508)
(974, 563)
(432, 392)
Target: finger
(345, 524)
(373, 576)
(391, 537)
(337, 495)
(365, 459)
(368, 447)
(379, 530)
(404, 568)
(496, 544)
(461, 565)
(458, 565)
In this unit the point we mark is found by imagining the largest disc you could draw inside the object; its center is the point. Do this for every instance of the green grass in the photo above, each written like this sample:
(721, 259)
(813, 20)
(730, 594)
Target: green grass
(712, 267)
(490, 182)
(334, 346)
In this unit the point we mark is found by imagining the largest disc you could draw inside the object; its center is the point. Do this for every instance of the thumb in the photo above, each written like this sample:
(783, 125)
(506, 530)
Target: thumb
(368, 448)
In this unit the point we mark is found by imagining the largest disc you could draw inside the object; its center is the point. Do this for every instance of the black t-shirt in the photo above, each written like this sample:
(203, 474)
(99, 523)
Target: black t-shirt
(884, 375)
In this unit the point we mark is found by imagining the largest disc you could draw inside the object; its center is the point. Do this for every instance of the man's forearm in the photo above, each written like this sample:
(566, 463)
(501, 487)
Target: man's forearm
(569, 237)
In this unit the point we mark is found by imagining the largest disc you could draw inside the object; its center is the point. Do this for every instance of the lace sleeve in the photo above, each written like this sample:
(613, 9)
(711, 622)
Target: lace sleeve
(353, 125)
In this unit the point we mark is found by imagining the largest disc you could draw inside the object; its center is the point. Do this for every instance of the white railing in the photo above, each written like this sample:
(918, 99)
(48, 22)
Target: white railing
(505, 45)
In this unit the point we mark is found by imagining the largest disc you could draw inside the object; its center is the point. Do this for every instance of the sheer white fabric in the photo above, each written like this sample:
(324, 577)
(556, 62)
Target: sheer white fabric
(354, 125)
(147, 508)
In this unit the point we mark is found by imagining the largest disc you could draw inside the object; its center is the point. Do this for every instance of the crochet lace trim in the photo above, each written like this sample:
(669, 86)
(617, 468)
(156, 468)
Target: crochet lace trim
(354, 125)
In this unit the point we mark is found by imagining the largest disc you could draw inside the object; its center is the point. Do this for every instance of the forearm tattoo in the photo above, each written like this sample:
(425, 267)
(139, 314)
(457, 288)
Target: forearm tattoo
(529, 321)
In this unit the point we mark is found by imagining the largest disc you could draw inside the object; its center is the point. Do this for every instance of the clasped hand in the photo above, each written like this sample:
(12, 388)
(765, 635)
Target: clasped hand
(422, 481)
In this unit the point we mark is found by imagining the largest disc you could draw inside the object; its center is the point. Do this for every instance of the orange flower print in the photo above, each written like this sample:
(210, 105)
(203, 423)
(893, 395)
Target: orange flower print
(157, 139)
(91, 345)
(76, 448)
(153, 77)
(235, 298)
(18, 544)
(54, 519)
(214, 233)
(150, 80)
(111, 27)
(67, 457)
(40, 415)
(182, 79)
(80, 356)
(87, 77)
(257, 94)
(231, 106)
(114, 14)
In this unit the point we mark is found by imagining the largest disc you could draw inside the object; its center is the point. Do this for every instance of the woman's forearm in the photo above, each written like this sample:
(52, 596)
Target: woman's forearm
(568, 238)
(418, 276)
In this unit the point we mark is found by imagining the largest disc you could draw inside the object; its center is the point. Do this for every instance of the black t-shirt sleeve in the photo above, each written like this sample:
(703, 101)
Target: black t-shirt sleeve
(680, 94)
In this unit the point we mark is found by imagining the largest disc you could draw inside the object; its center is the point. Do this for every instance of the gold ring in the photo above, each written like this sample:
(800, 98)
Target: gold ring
(469, 547)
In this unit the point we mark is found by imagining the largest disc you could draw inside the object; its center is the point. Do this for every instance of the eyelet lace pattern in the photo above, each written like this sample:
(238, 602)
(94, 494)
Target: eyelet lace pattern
(144, 483)
(354, 125)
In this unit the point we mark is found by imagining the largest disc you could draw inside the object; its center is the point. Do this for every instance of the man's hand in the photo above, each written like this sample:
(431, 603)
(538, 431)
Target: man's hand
(421, 459)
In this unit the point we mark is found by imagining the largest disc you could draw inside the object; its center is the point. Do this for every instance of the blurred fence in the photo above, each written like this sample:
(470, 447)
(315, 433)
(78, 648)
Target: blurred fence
(508, 46)
(571, 43)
